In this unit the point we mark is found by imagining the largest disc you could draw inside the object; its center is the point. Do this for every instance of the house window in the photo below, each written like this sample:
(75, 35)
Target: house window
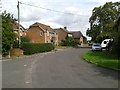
(47, 33)
(41, 33)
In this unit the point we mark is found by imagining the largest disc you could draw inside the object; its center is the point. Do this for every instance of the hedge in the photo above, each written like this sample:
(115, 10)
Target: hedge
(32, 48)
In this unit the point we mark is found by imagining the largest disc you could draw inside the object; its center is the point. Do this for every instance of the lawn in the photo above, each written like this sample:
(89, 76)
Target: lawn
(104, 59)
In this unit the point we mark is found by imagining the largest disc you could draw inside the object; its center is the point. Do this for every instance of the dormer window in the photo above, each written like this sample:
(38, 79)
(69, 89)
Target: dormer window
(41, 33)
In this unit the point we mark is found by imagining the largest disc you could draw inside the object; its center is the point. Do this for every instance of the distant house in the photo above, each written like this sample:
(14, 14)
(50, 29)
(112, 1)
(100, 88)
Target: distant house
(22, 29)
(62, 33)
(41, 33)
(77, 35)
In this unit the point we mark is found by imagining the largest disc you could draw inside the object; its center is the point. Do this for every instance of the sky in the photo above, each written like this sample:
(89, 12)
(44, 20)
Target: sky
(78, 20)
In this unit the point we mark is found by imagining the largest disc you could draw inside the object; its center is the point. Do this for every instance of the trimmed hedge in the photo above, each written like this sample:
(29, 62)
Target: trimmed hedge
(32, 48)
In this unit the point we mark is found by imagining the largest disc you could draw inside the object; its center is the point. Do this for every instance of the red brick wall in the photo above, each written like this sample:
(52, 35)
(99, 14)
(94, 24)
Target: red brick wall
(61, 34)
(34, 34)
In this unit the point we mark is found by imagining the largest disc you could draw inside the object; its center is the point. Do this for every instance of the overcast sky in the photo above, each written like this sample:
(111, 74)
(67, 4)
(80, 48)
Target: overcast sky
(78, 21)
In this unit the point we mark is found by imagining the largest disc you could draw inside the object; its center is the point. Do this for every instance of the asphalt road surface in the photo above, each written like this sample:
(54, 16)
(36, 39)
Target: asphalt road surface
(63, 69)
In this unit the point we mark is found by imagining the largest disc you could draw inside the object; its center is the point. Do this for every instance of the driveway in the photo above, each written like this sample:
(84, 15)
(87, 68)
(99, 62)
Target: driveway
(63, 69)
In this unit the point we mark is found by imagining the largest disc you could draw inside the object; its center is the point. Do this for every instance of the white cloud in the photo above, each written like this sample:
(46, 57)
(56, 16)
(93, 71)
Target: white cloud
(73, 22)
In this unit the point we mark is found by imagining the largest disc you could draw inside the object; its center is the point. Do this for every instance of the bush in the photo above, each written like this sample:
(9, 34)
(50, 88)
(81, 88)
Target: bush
(32, 48)
(70, 41)
(25, 39)
(16, 44)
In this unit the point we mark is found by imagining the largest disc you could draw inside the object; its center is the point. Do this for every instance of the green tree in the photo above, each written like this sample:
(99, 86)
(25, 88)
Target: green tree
(116, 42)
(103, 20)
(70, 41)
(0, 34)
(8, 36)
(24, 39)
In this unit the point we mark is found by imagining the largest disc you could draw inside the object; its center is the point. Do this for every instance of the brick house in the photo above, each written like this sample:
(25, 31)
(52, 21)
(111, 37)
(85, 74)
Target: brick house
(77, 35)
(41, 33)
(62, 33)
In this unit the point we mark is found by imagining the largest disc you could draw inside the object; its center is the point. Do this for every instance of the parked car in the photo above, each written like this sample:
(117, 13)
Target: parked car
(96, 47)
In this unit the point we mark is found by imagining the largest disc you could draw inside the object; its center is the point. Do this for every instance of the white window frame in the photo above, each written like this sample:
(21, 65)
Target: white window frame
(41, 33)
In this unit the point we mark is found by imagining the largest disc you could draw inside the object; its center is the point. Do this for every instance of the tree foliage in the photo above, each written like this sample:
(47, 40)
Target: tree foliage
(24, 39)
(116, 42)
(103, 20)
(70, 41)
(8, 36)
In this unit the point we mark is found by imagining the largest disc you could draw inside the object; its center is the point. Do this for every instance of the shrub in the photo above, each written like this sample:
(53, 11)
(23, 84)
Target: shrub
(70, 41)
(16, 44)
(32, 48)
(25, 39)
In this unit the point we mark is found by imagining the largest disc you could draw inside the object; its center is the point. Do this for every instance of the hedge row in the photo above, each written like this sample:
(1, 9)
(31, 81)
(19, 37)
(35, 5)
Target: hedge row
(32, 48)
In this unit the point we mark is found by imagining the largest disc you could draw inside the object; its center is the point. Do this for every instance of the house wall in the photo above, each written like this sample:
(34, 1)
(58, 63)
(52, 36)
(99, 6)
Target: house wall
(34, 34)
(61, 34)
(81, 39)
(23, 33)
(47, 38)
(16, 32)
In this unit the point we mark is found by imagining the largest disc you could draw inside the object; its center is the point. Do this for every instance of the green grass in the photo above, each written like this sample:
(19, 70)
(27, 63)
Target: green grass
(104, 59)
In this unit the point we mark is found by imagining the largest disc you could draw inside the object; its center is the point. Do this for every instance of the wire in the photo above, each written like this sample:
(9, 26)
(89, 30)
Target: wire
(49, 9)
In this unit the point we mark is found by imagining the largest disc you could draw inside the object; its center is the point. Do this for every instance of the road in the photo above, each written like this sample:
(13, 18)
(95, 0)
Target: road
(63, 69)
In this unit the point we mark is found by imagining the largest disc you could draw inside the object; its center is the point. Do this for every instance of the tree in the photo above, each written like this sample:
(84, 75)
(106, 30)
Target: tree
(8, 36)
(24, 39)
(116, 42)
(103, 20)
(70, 41)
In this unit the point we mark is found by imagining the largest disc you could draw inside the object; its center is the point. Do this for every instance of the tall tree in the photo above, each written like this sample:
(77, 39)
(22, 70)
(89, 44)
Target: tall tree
(103, 20)
(8, 36)
(116, 41)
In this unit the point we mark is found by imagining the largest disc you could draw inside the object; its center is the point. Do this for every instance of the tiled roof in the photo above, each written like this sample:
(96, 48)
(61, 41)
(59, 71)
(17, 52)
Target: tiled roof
(15, 26)
(76, 34)
(61, 29)
(43, 26)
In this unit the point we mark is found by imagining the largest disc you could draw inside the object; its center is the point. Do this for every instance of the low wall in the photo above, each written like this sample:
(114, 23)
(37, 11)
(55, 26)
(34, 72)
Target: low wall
(16, 51)
(84, 45)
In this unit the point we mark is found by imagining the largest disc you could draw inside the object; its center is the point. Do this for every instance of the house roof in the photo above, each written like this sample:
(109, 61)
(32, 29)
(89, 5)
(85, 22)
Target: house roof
(15, 26)
(42, 26)
(76, 34)
(61, 29)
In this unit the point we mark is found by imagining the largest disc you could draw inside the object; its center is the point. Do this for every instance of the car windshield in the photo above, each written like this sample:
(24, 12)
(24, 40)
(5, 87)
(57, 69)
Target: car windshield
(96, 45)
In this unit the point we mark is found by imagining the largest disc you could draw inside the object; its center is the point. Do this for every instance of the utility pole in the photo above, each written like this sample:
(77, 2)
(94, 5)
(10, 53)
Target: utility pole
(19, 37)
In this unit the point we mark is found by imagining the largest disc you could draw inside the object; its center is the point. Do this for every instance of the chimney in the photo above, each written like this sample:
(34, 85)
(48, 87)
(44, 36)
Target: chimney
(65, 28)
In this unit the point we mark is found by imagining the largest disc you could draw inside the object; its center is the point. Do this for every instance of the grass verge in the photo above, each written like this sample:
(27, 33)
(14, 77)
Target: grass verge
(104, 59)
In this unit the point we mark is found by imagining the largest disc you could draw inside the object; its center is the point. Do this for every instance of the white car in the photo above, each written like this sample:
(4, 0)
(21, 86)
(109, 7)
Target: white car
(96, 47)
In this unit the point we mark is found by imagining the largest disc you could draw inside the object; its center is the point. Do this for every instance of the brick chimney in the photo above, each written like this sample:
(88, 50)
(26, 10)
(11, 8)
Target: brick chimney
(65, 28)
